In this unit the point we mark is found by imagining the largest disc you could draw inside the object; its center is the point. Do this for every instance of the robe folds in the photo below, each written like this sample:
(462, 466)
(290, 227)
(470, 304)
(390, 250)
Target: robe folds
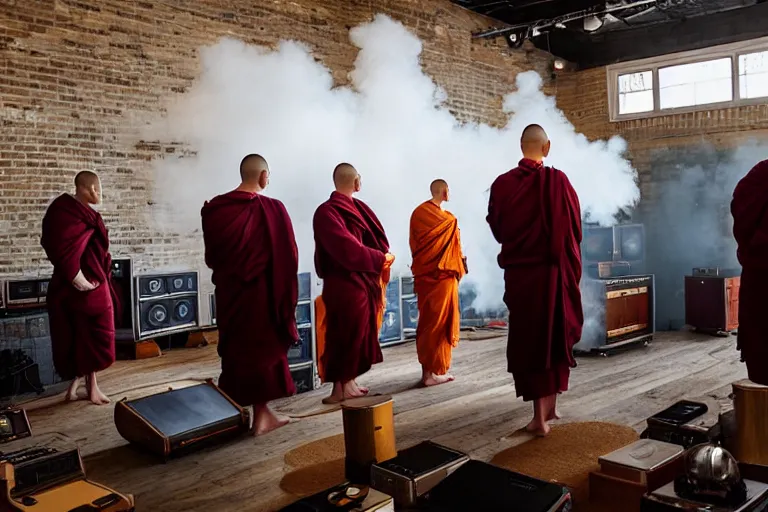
(350, 257)
(749, 208)
(82, 324)
(437, 267)
(534, 214)
(251, 248)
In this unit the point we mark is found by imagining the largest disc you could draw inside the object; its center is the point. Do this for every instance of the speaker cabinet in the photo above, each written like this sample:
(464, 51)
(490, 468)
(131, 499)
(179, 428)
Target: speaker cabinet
(303, 351)
(392, 323)
(712, 302)
(167, 304)
(212, 307)
(122, 282)
(410, 309)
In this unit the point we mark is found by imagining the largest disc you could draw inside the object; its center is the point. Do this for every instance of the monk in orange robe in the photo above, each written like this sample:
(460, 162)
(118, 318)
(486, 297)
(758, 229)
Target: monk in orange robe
(352, 257)
(251, 249)
(534, 214)
(438, 266)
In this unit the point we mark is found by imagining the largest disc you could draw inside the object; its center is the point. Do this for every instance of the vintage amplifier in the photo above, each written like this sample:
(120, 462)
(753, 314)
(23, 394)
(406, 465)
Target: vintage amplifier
(480, 486)
(48, 480)
(608, 269)
(25, 293)
(180, 420)
(665, 499)
(415, 471)
(628, 473)
(686, 423)
(14, 424)
(712, 301)
(625, 312)
(347, 497)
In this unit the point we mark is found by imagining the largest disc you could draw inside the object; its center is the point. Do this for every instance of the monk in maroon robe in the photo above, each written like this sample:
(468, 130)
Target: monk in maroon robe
(750, 228)
(81, 300)
(534, 214)
(251, 249)
(351, 256)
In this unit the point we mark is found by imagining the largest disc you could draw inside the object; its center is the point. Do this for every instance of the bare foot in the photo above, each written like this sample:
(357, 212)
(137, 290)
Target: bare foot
(265, 421)
(359, 389)
(72, 395)
(553, 415)
(343, 392)
(436, 380)
(539, 429)
(94, 393)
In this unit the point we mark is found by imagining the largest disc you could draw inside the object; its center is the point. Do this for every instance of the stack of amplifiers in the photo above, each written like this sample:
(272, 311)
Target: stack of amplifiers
(391, 332)
(626, 313)
(301, 356)
(712, 300)
(154, 306)
(410, 307)
(19, 296)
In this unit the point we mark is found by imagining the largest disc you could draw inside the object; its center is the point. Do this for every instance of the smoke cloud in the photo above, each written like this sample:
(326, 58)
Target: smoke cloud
(687, 220)
(391, 123)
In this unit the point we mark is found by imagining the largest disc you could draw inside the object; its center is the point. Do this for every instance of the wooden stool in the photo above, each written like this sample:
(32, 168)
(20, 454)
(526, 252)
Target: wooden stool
(369, 435)
(750, 401)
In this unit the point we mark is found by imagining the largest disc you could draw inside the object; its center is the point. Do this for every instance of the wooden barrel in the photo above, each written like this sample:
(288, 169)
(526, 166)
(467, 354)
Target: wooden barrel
(369, 435)
(750, 401)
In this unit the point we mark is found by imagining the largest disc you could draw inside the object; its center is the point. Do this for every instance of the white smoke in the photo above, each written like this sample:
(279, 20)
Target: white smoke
(391, 124)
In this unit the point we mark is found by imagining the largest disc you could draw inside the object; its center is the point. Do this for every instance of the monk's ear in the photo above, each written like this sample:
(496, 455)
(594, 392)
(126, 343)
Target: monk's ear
(547, 147)
(264, 179)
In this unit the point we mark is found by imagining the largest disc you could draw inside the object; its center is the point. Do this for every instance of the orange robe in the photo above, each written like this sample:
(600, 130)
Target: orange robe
(437, 268)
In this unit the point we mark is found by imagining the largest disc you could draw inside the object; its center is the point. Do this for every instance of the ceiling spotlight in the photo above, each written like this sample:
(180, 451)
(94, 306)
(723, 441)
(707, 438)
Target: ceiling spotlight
(559, 64)
(592, 23)
(535, 33)
(559, 25)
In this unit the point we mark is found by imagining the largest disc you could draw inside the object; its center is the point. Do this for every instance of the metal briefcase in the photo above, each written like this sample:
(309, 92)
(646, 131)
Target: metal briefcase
(415, 471)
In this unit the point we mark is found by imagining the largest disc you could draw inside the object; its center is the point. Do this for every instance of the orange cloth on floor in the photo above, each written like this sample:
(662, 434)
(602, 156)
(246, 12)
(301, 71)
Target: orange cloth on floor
(437, 268)
(320, 319)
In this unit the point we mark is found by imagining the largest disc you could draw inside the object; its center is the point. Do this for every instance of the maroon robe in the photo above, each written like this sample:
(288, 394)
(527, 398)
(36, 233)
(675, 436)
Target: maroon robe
(750, 228)
(82, 324)
(534, 214)
(251, 248)
(350, 249)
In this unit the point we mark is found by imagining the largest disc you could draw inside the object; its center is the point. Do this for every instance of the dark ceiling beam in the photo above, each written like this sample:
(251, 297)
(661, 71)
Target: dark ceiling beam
(589, 51)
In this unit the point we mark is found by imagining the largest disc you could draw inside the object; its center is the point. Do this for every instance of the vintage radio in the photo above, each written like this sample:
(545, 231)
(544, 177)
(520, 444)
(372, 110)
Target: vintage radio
(14, 424)
(347, 497)
(665, 499)
(180, 420)
(392, 323)
(415, 471)
(628, 473)
(49, 480)
(608, 269)
(712, 301)
(625, 312)
(25, 293)
(480, 486)
(686, 423)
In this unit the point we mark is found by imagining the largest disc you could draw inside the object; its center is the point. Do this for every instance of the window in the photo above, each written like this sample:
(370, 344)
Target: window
(699, 83)
(753, 75)
(636, 92)
(724, 76)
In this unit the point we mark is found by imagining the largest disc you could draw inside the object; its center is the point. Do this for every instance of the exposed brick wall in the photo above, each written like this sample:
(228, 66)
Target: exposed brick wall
(583, 96)
(79, 77)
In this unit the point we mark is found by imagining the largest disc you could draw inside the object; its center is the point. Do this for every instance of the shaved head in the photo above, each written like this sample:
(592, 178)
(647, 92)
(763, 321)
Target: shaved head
(535, 143)
(439, 191)
(346, 179)
(88, 187)
(252, 167)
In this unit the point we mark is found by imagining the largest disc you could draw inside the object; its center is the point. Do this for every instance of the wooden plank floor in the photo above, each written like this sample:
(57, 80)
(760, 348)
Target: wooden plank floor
(475, 414)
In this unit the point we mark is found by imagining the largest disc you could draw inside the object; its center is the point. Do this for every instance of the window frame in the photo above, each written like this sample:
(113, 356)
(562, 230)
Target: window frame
(732, 51)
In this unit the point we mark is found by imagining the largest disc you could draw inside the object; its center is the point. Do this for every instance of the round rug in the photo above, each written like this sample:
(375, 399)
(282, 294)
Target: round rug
(314, 467)
(567, 454)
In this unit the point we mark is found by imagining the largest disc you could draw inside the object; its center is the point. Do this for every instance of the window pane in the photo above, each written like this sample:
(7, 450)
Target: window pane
(636, 92)
(699, 83)
(753, 75)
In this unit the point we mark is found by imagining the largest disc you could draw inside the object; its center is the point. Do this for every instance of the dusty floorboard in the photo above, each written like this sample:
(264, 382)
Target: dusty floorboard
(475, 414)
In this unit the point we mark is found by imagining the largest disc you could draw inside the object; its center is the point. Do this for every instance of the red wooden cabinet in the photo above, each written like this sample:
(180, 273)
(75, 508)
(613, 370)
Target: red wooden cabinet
(712, 303)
